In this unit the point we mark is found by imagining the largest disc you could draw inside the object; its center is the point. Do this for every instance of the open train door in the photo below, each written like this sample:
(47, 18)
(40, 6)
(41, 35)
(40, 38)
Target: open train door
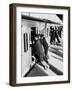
(26, 58)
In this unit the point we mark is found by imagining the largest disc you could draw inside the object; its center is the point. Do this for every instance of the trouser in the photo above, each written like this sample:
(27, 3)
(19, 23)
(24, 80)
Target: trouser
(39, 50)
(40, 53)
(51, 39)
(57, 38)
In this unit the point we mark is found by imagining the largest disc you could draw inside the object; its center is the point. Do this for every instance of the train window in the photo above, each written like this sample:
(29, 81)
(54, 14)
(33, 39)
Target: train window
(25, 42)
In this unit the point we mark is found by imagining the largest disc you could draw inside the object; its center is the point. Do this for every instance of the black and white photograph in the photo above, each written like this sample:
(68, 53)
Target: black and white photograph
(40, 44)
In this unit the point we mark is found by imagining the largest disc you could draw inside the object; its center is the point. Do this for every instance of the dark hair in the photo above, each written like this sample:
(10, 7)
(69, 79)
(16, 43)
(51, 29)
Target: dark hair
(41, 35)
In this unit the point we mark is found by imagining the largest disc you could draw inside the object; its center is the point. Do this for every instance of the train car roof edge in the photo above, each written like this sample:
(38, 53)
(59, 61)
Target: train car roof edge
(39, 20)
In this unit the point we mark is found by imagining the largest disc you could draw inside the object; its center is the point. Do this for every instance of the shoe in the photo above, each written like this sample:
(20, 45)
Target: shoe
(46, 67)
(46, 59)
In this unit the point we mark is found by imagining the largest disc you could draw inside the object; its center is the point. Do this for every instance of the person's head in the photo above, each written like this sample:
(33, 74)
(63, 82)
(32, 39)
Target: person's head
(33, 30)
(51, 27)
(55, 27)
(37, 37)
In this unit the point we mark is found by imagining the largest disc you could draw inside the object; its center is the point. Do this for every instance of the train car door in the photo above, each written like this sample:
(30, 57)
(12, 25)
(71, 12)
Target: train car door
(25, 50)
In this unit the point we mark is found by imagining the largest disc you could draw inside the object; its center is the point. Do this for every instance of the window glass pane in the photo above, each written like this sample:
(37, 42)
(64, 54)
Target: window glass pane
(25, 42)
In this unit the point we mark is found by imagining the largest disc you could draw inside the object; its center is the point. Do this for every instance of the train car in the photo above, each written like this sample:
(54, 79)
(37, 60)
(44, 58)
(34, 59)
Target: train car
(28, 25)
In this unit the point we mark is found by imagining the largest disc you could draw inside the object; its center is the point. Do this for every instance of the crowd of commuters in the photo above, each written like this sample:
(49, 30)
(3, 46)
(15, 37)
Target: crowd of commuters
(55, 34)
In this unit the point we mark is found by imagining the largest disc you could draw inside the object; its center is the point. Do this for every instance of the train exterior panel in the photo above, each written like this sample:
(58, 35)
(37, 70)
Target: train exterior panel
(26, 41)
